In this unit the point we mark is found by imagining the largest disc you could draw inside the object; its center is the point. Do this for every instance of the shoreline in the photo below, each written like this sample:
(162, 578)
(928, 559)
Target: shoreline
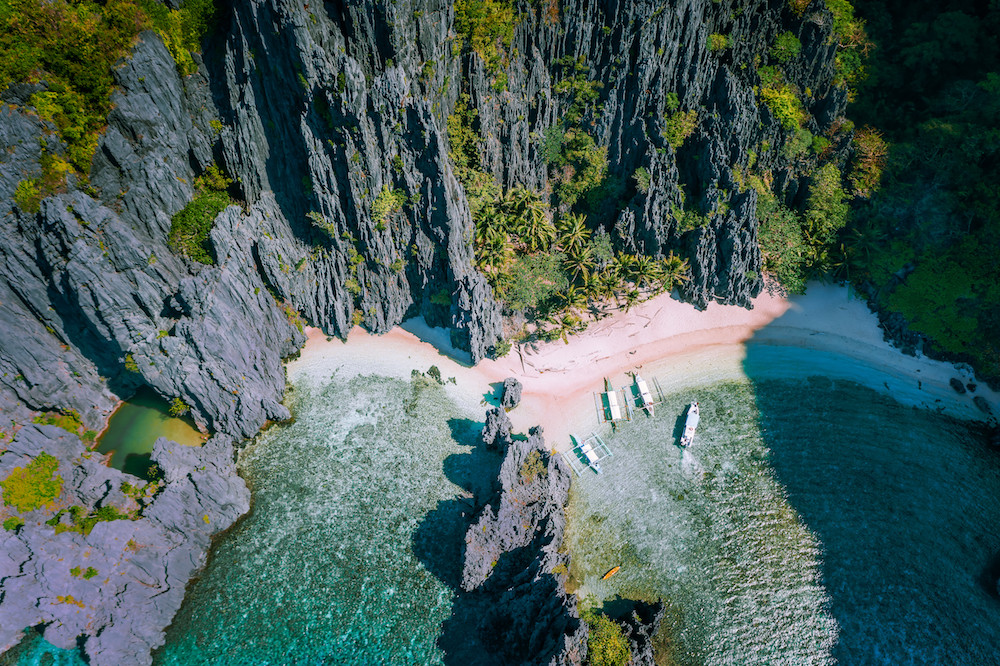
(680, 346)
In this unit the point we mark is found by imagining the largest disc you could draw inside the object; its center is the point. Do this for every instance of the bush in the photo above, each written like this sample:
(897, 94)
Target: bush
(826, 206)
(12, 523)
(533, 279)
(870, 153)
(606, 643)
(28, 196)
(69, 421)
(678, 126)
(717, 42)
(797, 144)
(178, 407)
(28, 488)
(386, 203)
(783, 101)
(189, 228)
(533, 467)
(786, 47)
(486, 26)
(641, 177)
(581, 166)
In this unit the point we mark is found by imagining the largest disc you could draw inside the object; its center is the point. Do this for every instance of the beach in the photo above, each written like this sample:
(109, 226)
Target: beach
(666, 340)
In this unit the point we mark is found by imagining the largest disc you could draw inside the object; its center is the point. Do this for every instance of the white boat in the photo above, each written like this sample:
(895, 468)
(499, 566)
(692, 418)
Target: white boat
(690, 425)
(645, 395)
(592, 449)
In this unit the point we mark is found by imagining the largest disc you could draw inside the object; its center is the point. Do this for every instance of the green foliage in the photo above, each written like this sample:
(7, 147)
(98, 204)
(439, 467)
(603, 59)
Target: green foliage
(641, 177)
(820, 144)
(83, 522)
(870, 153)
(178, 407)
(606, 642)
(578, 87)
(786, 47)
(130, 364)
(190, 227)
(501, 348)
(73, 46)
(797, 144)
(34, 486)
(386, 203)
(678, 126)
(28, 196)
(782, 243)
(581, 167)
(89, 573)
(532, 280)
(487, 26)
(69, 420)
(11, 523)
(533, 467)
(688, 220)
(672, 102)
(826, 206)
(781, 98)
(463, 142)
(441, 297)
(717, 42)
(552, 143)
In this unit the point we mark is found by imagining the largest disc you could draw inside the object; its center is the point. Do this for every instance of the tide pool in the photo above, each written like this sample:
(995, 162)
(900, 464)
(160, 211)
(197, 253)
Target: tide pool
(135, 427)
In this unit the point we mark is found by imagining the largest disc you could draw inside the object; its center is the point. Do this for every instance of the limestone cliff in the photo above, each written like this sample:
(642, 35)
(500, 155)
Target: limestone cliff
(316, 111)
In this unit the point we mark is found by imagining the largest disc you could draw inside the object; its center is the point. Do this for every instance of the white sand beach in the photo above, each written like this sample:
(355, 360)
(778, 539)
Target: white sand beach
(825, 331)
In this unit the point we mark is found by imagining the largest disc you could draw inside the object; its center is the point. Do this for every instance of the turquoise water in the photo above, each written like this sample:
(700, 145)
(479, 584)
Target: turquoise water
(352, 536)
(813, 522)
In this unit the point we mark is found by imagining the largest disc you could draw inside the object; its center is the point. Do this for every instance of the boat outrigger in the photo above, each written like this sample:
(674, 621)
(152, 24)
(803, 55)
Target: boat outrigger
(690, 425)
(611, 407)
(646, 400)
(591, 450)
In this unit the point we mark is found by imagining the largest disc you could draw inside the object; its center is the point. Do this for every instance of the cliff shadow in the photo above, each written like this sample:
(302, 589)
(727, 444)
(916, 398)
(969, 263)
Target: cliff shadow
(439, 540)
(903, 502)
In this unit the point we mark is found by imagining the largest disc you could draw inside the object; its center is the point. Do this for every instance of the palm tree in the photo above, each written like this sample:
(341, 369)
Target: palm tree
(572, 299)
(645, 271)
(573, 231)
(579, 262)
(674, 271)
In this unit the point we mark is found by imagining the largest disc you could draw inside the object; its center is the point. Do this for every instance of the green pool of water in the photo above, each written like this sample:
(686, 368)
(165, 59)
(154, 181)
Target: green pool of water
(136, 426)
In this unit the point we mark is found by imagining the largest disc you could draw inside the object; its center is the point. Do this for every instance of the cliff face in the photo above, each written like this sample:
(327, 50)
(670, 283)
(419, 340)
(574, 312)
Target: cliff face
(331, 120)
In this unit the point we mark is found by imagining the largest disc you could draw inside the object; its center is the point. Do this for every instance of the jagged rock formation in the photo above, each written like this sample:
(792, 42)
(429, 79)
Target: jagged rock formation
(639, 627)
(141, 567)
(511, 396)
(512, 560)
(331, 120)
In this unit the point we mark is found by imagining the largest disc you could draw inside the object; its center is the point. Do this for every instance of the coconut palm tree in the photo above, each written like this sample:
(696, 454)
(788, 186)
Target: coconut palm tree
(573, 231)
(674, 271)
(579, 262)
(572, 299)
(645, 271)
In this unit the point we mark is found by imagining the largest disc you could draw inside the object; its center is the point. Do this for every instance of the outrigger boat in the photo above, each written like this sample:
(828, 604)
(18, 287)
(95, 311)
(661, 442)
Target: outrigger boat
(610, 407)
(592, 450)
(645, 396)
(690, 425)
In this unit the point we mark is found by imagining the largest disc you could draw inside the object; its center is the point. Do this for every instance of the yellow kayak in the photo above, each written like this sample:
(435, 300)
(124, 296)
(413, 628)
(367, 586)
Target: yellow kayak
(611, 573)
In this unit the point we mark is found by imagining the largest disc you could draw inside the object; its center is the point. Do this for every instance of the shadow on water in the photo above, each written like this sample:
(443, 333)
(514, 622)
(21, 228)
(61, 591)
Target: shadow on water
(904, 502)
(439, 539)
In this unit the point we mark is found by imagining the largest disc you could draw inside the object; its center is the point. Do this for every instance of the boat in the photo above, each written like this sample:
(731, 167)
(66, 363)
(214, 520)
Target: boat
(610, 573)
(690, 424)
(591, 451)
(611, 407)
(644, 394)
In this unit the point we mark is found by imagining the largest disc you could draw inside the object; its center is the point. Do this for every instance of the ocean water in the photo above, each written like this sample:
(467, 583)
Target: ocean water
(813, 521)
(353, 539)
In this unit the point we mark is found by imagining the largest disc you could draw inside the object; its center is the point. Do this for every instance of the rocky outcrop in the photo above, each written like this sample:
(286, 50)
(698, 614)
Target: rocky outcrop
(112, 591)
(511, 396)
(514, 565)
(639, 628)
(331, 119)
